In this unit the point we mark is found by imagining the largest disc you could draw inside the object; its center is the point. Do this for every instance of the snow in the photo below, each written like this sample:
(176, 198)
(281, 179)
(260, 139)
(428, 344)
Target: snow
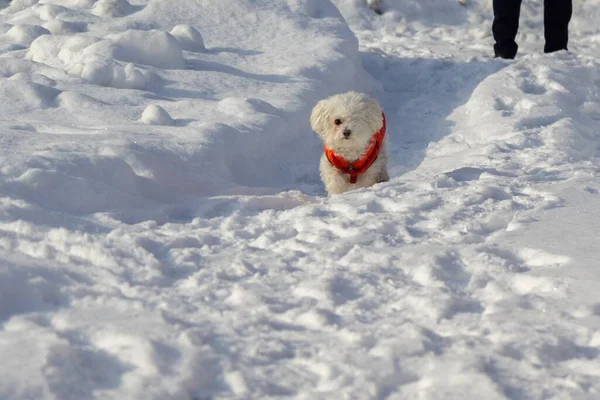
(155, 115)
(112, 8)
(25, 34)
(164, 233)
(189, 37)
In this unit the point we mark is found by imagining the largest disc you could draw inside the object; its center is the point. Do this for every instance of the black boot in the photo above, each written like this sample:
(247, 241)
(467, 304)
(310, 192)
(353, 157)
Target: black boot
(505, 27)
(557, 14)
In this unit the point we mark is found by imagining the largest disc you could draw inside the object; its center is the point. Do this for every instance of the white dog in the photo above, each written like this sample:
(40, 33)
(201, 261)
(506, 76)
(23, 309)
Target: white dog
(352, 125)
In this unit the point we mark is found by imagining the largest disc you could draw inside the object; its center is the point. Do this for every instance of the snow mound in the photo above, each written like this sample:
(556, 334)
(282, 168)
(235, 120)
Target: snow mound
(314, 8)
(246, 107)
(156, 115)
(49, 12)
(24, 35)
(156, 48)
(58, 27)
(20, 5)
(90, 58)
(74, 101)
(34, 78)
(27, 95)
(78, 183)
(108, 73)
(189, 37)
(112, 8)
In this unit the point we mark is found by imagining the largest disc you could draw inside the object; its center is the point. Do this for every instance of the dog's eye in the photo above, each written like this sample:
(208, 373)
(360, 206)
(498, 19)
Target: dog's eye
(337, 121)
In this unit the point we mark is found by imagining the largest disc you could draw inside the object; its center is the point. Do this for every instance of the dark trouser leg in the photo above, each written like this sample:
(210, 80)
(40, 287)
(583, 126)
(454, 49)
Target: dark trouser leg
(506, 24)
(557, 14)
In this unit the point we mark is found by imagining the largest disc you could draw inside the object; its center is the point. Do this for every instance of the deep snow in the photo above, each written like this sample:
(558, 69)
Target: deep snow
(164, 233)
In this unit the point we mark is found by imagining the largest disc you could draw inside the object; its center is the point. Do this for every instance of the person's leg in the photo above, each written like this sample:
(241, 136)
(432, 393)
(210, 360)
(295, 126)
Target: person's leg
(505, 26)
(557, 14)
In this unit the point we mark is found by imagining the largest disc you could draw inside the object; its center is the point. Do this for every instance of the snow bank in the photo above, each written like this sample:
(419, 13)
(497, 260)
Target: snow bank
(244, 52)
(537, 102)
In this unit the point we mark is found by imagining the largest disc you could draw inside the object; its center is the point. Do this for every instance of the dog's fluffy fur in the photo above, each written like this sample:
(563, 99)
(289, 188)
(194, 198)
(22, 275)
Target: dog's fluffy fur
(361, 115)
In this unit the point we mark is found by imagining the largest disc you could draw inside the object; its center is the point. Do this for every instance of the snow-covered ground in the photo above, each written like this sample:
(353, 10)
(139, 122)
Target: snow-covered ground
(164, 233)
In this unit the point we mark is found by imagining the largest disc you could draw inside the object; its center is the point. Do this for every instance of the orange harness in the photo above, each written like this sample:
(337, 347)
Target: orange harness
(360, 166)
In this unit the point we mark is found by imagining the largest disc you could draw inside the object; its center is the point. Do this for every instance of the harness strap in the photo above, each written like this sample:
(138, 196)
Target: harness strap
(360, 166)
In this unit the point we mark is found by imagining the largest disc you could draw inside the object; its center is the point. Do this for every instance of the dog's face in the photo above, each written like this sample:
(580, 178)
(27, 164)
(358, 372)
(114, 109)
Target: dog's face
(346, 121)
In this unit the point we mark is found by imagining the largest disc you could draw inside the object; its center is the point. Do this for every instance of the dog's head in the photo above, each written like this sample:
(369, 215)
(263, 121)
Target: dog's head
(347, 120)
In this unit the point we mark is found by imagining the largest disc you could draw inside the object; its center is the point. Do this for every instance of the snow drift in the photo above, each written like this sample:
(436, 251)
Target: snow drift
(163, 233)
(238, 98)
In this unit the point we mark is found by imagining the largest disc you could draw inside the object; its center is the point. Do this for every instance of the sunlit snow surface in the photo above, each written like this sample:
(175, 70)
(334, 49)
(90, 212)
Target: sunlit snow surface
(164, 233)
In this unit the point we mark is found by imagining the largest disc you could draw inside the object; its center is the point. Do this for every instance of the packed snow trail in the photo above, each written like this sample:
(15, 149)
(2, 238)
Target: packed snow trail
(471, 274)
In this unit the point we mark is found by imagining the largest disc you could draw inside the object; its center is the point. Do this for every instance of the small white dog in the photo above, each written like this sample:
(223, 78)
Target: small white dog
(352, 125)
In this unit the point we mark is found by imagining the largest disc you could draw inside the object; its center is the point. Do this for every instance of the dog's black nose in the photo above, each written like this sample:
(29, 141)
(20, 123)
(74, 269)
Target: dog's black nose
(347, 132)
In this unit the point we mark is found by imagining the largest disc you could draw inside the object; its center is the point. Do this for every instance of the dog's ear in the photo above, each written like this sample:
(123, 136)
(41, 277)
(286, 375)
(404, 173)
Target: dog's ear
(319, 117)
(373, 114)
